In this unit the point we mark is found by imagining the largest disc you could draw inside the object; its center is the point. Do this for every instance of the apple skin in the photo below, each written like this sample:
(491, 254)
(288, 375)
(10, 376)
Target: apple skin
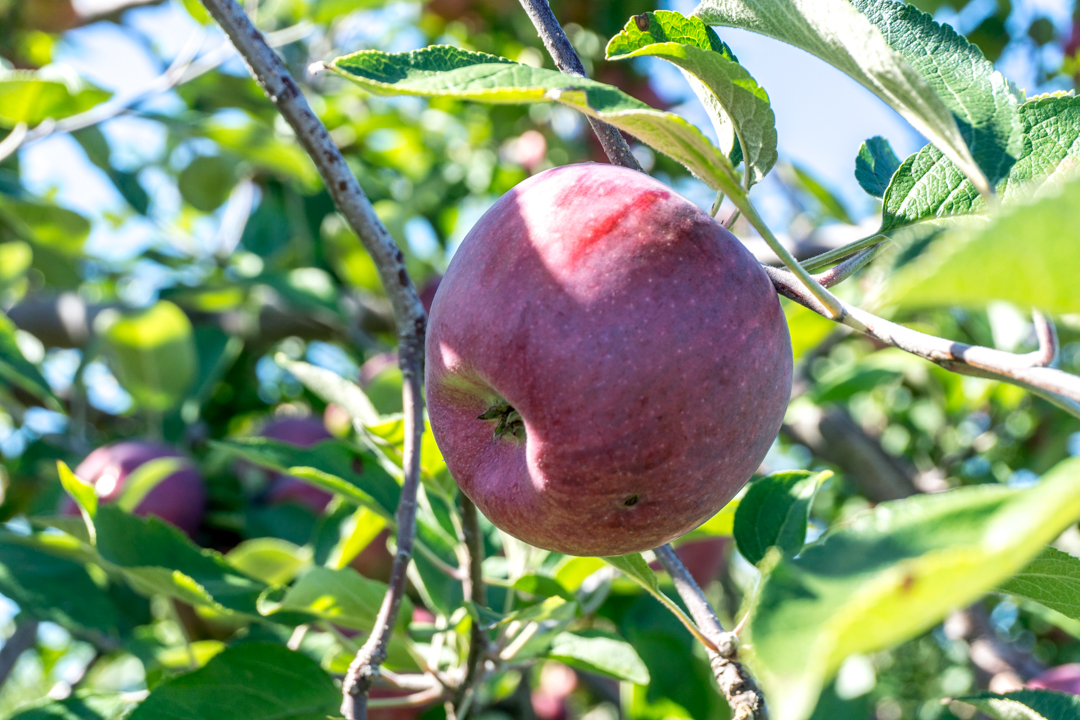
(643, 346)
(179, 499)
(1063, 678)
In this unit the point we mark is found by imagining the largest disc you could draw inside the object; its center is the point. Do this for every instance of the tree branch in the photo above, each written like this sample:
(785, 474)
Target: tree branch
(742, 693)
(274, 78)
(475, 591)
(20, 641)
(567, 61)
(1030, 371)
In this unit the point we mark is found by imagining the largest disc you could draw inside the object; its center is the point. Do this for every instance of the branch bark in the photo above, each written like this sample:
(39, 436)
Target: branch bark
(475, 591)
(1031, 370)
(274, 78)
(742, 693)
(567, 61)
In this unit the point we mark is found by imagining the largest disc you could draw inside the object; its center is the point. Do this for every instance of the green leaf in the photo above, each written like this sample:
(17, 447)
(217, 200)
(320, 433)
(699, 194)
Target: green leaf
(1027, 705)
(272, 560)
(255, 681)
(892, 574)
(774, 512)
(156, 558)
(20, 372)
(58, 589)
(929, 186)
(153, 354)
(839, 34)
(46, 225)
(738, 107)
(357, 532)
(333, 465)
(343, 597)
(542, 586)
(81, 492)
(16, 257)
(443, 71)
(206, 182)
(1027, 255)
(28, 97)
(1052, 580)
(983, 102)
(635, 566)
(599, 652)
(829, 202)
(875, 165)
(80, 706)
(331, 387)
(573, 571)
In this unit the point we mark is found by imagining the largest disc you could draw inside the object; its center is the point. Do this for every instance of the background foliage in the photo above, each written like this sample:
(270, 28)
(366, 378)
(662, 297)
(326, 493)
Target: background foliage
(180, 314)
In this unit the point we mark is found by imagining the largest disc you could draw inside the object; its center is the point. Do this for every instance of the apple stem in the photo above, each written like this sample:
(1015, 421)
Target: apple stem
(742, 693)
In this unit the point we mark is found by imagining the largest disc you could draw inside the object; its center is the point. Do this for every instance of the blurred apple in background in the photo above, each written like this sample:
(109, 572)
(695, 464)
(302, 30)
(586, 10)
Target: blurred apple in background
(1063, 678)
(179, 499)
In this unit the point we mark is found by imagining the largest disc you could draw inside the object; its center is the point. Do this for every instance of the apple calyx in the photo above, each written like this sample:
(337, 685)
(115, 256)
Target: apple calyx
(509, 420)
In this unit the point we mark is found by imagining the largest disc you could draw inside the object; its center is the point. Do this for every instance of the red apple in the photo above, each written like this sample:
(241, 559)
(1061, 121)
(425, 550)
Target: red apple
(179, 499)
(1063, 678)
(301, 432)
(606, 365)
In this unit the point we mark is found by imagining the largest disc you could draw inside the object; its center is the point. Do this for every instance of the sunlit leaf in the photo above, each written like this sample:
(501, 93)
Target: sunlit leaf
(1026, 705)
(738, 107)
(836, 32)
(1052, 579)
(893, 573)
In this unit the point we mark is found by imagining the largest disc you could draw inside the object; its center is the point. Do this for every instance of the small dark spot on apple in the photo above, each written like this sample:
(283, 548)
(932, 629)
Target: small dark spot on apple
(642, 22)
(631, 501)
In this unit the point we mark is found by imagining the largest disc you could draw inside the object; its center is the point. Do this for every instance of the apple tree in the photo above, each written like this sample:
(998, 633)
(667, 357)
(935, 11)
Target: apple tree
(333, 383)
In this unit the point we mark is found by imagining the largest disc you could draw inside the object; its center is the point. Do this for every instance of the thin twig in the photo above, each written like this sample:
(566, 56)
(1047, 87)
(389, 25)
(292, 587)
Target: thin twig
(742, 693)
(425, 697)
(1030, 370)
(567, 61)
(274, 78)
(21, 640)
(475, 591)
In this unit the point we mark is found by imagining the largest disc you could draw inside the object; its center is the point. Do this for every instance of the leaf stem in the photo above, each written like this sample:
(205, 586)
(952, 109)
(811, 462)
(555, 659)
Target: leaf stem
(828, 301)
(835, 255)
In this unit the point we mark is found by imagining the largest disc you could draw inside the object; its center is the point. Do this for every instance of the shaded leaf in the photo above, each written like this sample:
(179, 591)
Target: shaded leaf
(875, 165)
(774, 512)
(20, 372)
(81, 706)
(601, 653)
(255, 681)
(343, 597)
(153, 354)
(333, 465)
